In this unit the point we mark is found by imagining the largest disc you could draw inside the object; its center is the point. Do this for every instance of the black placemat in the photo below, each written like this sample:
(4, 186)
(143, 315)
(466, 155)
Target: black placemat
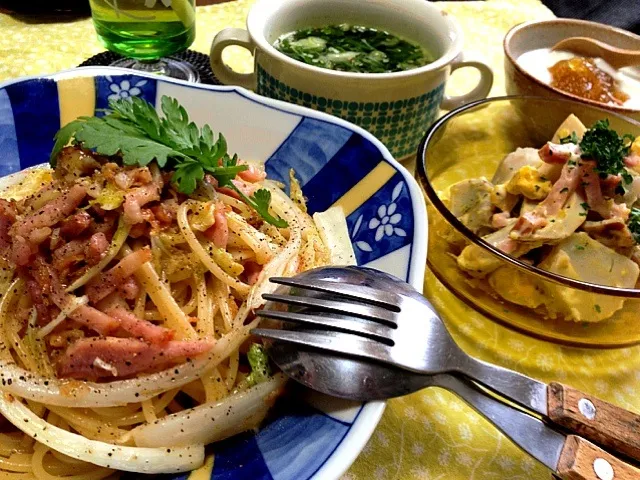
(200, 62)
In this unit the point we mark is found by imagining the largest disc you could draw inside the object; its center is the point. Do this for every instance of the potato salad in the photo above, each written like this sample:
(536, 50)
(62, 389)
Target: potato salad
(571, 207)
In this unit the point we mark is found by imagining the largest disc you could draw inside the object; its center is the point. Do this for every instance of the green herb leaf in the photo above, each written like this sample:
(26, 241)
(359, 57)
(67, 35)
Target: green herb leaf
(634, 224)
(133, 130)
(573, 138)
(260, 202)
(607, 148)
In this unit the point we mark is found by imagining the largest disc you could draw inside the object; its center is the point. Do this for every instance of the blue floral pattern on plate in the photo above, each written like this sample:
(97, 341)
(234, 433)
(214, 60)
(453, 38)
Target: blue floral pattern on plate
(112, 87)
(384, 223)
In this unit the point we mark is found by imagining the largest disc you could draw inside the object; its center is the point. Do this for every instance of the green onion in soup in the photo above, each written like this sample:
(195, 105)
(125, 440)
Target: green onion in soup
(352, 48)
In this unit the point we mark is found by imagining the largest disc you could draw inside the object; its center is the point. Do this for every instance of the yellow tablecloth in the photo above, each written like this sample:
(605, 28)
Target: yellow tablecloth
(430, 434)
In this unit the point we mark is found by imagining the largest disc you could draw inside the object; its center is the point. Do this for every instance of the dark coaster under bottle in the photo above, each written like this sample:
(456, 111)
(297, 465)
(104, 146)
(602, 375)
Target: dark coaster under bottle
(198, 60)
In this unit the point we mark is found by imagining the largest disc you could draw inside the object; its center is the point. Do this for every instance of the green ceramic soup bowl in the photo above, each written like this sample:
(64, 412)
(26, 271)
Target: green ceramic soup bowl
(396, 107)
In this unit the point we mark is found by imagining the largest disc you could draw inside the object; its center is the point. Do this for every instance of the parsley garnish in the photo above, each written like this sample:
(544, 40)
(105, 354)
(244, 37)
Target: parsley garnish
(133, 130)
(634, 224)
(597, 308)
(585, 205)
(608, 149)
(573, 138)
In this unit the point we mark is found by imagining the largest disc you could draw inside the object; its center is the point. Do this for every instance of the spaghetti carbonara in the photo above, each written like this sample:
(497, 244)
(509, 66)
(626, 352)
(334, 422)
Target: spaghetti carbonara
(126, 311)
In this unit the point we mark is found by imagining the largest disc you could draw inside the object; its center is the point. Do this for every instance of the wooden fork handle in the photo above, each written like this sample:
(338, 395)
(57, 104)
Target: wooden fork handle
(582, 460)
(596, 420)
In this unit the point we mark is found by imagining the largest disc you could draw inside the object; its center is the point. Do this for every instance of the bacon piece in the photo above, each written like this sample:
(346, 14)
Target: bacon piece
(252, 271)
(500, 220)
(93, 318)
(52, 213)
(253, 174)
(508, 245)
(22, 251)
(553, 203)
(612, 232)
(165, 213)
(99, 287)
(38, 301)
(96, 249)
(70, 253)
(554, 153)
(129, 288)
(592, 183)
(125, 179)
(47, 279)
(140, 328)
(75, 224)
(124, 357)
(136, 199)
(218, 233)
(39, 235)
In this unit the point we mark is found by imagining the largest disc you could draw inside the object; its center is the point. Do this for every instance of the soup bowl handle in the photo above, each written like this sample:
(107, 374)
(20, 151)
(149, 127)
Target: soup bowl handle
(480, 91)
(228, 76)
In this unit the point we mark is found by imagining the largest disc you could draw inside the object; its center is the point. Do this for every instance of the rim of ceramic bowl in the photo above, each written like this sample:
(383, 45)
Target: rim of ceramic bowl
(506, 45)
(435, 200)
(258, 14)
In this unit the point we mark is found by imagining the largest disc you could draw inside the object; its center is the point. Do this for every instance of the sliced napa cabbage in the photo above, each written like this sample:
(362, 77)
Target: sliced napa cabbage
(333, 230)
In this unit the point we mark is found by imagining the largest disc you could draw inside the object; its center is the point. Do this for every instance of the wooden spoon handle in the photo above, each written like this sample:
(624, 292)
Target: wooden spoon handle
(599, 421)
(582, 460)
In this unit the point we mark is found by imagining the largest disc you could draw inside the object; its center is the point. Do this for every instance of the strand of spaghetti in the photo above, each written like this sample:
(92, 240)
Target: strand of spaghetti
(148, 411)
(94, 428)
(195, 390)
(173, 316)
(205, 318)
(236, 204)
(130, 459)
(62, 458)
(20, 462)
(254, 239)
(276, 267)
(214, 387)
(192, 304)
(221, 295)
(119, 237)
(51, 391)
(161, 402)
(232, 372)
(203, 256)
(67, 472)
(37, 346)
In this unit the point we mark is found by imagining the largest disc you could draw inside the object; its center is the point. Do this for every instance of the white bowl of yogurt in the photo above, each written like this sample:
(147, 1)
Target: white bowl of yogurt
(528, 57)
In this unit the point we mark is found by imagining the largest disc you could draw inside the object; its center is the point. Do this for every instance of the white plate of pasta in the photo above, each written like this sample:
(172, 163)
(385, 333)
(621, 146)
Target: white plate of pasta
(134, 261)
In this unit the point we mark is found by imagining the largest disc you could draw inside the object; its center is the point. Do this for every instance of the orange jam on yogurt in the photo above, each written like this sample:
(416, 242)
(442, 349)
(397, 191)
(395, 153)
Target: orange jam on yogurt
(580, 76)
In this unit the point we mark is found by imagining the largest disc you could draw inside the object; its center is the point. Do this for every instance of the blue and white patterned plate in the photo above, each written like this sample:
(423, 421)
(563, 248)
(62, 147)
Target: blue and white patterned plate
(337, 164)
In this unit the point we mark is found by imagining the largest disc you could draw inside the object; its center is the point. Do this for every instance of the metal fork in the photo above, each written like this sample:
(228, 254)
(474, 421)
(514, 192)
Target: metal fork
(364, 313)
